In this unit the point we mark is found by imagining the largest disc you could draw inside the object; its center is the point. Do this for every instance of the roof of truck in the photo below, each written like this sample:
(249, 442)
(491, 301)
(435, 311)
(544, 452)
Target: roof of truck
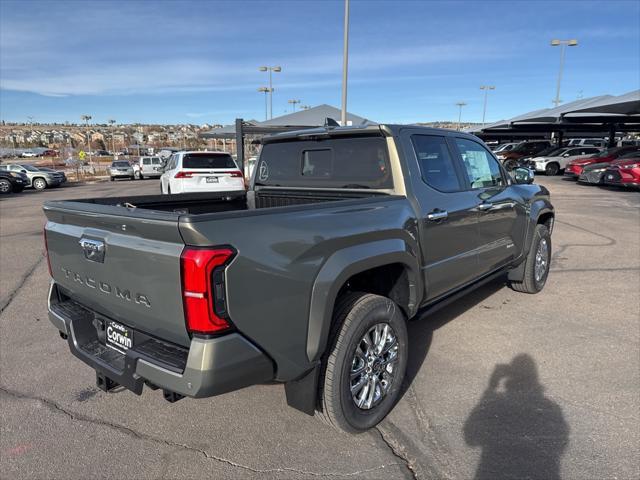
(357, 130)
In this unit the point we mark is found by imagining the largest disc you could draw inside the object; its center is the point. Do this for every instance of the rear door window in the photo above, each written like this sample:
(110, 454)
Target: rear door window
(347, 162)
(436, 163)
(207, 160)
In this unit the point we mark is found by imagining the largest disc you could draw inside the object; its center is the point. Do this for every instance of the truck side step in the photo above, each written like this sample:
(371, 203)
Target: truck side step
(105, 383)
(171, 397)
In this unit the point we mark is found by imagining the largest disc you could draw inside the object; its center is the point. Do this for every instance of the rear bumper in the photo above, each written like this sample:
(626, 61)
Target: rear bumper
(210, 366)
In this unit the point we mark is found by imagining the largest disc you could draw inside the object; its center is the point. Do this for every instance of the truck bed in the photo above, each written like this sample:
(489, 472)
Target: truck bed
(199, 203)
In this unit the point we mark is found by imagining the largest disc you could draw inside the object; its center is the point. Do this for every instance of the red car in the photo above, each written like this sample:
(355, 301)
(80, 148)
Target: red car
(574, 167)
(624, 173)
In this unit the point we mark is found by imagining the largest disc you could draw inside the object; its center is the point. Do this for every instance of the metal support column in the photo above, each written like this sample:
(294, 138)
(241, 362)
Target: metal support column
(239, 144)
(612, 136)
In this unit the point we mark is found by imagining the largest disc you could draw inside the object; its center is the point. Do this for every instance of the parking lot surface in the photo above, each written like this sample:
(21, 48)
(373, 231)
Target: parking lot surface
(500, 384)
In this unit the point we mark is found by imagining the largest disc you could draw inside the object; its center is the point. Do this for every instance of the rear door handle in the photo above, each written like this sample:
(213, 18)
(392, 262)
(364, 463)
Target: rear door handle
(437, 215)
(485, 206)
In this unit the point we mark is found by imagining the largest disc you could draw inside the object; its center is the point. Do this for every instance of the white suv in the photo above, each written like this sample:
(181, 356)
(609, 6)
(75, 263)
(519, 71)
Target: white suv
(189, 172)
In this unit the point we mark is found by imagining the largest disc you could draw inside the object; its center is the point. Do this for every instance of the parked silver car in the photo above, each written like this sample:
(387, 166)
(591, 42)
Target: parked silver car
(38, 179)
(121, 169)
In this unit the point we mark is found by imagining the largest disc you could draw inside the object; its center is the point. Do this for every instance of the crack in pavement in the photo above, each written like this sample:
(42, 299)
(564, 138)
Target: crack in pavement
(398, 451)
(21, 284)
(56, 407)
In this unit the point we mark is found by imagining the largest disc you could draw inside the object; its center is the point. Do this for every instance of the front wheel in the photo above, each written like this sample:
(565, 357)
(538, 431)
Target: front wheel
(39, 184)
(5, 186)
(536, 268)
(364, 368)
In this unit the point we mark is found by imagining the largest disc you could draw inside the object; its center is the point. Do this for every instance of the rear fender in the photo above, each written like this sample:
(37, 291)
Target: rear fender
(342, 265)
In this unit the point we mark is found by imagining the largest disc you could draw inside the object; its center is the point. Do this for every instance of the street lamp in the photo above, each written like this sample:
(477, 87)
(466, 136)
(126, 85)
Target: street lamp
(113, 138)
(86, 119)
(293, 103)
(486, 89)
(265, 90)
(460, 105)
(345, 64)
(562, 44)
(270, 70)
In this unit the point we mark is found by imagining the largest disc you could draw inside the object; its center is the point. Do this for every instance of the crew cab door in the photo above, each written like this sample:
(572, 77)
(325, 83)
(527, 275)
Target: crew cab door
(500, 211)
(447, 214)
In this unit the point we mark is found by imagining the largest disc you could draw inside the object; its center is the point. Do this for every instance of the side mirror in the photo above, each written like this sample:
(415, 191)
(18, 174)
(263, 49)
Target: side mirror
(523, 176)
(565, 155)
(23, 171)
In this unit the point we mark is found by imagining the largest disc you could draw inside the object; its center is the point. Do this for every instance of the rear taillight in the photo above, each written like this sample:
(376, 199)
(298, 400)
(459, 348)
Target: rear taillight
(237, 174)
(183, 175)
(203, 289)
(46, 249)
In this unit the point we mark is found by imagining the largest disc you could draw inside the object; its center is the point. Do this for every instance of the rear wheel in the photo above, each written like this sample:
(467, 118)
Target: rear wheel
(365, 364)
(552, 169)
(39, 183)
(5, 186)
(536, 268)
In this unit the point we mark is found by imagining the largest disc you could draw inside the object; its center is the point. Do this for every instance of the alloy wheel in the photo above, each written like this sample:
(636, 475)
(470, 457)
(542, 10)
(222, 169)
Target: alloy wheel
(373, 366)
(542, 260)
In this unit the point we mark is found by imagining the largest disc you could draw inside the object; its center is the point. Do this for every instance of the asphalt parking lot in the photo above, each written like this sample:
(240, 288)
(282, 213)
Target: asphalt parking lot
(500, 384)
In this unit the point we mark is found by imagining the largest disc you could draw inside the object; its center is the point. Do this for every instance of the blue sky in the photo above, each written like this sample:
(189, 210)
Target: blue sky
(197, 62)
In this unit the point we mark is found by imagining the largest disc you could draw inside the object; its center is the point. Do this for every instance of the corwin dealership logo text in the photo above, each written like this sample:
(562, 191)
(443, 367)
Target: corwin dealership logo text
(106, 288)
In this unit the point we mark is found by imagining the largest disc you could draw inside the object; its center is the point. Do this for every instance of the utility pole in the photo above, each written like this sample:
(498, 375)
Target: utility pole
(460, 105)
(345, 64)
(86, 119)
(113, 138)
(486, 89)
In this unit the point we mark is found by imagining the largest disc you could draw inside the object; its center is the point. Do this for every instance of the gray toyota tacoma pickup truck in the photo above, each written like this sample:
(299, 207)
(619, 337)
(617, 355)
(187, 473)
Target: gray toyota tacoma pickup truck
(308, 279)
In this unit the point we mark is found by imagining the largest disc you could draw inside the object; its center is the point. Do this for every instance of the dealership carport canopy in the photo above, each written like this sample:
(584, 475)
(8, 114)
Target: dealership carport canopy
(602, 114)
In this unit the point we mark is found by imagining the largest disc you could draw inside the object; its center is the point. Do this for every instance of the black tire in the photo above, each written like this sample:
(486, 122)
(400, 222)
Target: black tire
(39, 183)
(355, 315)
(111, 179)
(5, 186)
(132, 177)
(18, 188)
(532, 281)
(552, 169)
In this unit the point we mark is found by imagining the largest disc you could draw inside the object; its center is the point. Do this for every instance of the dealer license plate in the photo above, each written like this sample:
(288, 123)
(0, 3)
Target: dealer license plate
(212, 179)
(119, 337)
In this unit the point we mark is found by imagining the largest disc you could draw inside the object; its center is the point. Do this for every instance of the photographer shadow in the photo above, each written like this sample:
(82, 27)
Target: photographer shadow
(522, 432)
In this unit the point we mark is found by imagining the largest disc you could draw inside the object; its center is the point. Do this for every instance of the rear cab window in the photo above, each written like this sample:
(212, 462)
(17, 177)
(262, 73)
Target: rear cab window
(335, 162)
(207, 161)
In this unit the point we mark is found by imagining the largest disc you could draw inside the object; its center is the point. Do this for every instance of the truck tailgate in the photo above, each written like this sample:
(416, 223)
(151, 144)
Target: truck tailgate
(122, 264)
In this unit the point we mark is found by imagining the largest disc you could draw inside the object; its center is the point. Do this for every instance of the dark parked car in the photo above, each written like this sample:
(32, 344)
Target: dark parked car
(37, 178)
(307, 279)
(575, 167)
(12, 182)
(511, 159)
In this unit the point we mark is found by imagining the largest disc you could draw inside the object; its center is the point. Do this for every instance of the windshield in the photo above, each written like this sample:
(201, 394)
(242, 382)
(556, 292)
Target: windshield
(208, 160)
(120, 164)
(30, 168)
(347, 162)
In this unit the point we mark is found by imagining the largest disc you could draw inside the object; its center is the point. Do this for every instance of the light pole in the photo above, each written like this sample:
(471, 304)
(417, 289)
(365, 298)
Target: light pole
(265, 90)
(113, 138)
(562, 44)
(293, 103)
(486, 89)
(270, 70)
(86, 119)
(460, 105)
(345, 63)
